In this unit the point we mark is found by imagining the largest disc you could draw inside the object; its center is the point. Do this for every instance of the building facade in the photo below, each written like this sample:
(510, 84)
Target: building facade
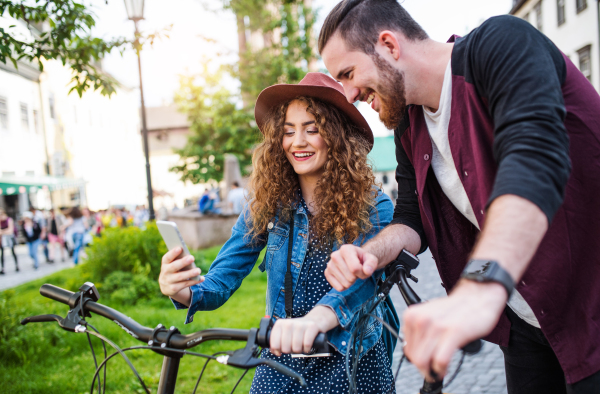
(573, 25)
(60, 150)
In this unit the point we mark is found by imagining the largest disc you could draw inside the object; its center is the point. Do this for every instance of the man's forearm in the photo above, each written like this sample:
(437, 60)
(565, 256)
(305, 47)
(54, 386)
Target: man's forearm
(388, 244)
(512, 232)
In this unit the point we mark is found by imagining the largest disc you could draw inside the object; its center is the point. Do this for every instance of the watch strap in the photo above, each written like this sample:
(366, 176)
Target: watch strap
(493, 273)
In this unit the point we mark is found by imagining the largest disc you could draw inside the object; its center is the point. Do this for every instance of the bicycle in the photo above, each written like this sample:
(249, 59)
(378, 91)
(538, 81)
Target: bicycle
(397, 273)
(167, 342)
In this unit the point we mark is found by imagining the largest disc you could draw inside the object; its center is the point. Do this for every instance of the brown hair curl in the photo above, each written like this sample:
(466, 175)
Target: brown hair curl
(344, 194)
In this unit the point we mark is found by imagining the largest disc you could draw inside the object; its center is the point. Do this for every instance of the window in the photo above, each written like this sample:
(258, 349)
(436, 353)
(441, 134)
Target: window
(581, 5)
(3, 114)
(385, 179)
(24, 117)
(585, 61)
(36, 122)
(538, 15)
(560, 11)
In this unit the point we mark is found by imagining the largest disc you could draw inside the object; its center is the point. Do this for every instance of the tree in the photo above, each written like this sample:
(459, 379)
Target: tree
(68, 39)
(218, 127)
(275, 45)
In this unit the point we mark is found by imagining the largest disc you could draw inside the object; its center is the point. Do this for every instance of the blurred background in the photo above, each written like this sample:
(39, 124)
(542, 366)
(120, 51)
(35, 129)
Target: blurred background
(203, 62)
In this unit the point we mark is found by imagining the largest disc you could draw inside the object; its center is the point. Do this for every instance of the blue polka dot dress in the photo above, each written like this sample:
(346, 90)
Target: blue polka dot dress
(323, 375)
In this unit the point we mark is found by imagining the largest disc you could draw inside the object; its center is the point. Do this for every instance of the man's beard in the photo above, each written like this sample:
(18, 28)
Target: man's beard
(391, 93)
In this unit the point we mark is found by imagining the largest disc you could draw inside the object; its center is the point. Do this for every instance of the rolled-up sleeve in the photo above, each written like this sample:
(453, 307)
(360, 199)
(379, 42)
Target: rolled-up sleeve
(520, 72)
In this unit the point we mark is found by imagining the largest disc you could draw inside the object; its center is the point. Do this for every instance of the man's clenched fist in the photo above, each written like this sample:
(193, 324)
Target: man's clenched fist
(347, 264)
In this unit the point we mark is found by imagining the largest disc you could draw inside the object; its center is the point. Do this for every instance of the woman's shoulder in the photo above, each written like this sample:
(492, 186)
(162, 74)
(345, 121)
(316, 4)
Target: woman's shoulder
(380, 196)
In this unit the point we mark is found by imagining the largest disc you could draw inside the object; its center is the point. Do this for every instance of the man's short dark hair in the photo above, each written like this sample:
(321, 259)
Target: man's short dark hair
(360, 22)
(236, 184)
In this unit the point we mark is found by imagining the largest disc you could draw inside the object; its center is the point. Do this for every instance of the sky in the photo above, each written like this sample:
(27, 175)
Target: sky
(192, 22)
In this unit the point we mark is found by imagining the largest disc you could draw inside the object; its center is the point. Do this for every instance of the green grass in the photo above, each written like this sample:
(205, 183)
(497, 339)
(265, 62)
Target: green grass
(43, 358)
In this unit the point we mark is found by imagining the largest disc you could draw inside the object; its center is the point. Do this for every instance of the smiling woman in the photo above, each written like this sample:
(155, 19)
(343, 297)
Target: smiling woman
(311, 191)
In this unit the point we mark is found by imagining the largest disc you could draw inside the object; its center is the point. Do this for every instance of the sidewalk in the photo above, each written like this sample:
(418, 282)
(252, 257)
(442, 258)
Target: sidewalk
(482, 373)
(26, 273)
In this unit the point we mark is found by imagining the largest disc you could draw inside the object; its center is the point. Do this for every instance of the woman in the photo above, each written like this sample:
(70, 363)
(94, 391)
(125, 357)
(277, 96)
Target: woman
(7, 238)
(33, 235)
(77, 226)
(311, 176)
(55, 223)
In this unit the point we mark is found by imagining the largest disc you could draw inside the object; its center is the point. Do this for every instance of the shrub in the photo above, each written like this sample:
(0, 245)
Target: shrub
(127, 288)
(126, 249)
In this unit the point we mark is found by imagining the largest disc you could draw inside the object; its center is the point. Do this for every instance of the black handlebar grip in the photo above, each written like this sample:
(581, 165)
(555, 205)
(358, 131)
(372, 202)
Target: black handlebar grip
(56, 293)
(473, 347)
(320, 344)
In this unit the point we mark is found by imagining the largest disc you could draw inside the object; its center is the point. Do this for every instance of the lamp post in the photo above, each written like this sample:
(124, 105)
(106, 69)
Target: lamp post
(135, 13)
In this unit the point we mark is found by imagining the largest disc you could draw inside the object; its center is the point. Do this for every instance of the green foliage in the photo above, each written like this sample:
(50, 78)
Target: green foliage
(222, 122)
(217, 128)
(126, 249)
(42, 358)
(126, 288)
(282, 61)
(69, 40)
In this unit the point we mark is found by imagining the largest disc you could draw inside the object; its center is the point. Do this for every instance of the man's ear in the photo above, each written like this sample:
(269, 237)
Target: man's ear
(388, 43)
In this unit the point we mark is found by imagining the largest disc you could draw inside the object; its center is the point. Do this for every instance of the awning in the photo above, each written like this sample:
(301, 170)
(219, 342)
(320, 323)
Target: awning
(31, 184)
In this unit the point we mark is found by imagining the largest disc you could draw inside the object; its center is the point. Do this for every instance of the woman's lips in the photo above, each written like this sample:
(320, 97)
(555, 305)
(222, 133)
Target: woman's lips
(302, 158)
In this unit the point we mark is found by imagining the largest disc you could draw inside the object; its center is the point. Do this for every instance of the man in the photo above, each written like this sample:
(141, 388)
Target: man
(496, 131)
(236, 198)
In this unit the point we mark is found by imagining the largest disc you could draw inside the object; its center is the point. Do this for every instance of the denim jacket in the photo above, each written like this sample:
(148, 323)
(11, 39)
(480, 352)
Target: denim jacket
(238, 256)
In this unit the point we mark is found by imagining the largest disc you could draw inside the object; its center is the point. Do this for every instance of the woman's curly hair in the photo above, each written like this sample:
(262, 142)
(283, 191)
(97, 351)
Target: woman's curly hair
(344, 195)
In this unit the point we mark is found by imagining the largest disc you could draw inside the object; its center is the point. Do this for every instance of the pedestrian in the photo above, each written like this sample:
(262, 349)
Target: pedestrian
(40, 218)
(310, 166)
(7, 238)
(76, 226)
(33, 235)
(55, 238)
(236, 198)
(497, 138)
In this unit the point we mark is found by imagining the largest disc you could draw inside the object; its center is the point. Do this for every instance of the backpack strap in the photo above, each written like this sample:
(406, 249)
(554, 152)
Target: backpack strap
(289, 298)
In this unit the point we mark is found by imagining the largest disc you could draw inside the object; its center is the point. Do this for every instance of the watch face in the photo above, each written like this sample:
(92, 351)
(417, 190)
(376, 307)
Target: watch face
(479, 267)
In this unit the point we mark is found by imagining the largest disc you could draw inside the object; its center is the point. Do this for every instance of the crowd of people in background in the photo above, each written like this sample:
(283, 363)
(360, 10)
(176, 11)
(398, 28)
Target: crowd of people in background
(61, 233)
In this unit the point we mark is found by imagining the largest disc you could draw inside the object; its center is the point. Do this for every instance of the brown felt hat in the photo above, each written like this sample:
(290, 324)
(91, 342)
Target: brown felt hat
(316, 85)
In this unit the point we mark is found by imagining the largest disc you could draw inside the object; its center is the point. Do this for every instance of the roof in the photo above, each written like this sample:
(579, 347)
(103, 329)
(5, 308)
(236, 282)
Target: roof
(517, 4)
(166, 117)
(10, 185)
(383, 154)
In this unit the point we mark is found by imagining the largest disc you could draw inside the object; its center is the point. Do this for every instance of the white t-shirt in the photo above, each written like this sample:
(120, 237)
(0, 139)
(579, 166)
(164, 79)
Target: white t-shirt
(237, 197)
(447, 176)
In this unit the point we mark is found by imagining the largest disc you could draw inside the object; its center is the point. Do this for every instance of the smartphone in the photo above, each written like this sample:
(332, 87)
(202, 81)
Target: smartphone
(173, 239)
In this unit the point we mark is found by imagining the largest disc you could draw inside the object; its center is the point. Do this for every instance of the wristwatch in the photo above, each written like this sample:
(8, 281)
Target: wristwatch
(488, 271)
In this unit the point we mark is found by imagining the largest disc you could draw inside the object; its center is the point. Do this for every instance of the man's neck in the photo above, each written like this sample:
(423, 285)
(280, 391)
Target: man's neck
(429, 62)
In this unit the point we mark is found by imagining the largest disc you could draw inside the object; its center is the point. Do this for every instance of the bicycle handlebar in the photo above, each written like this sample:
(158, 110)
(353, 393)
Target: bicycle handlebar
(144, 334)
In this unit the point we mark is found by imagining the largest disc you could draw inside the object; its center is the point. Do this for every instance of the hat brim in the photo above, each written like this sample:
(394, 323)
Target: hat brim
(277, 94)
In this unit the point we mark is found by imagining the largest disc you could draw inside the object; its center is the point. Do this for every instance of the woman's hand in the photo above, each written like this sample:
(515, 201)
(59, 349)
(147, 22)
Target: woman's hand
(297, 335)
(173, 283)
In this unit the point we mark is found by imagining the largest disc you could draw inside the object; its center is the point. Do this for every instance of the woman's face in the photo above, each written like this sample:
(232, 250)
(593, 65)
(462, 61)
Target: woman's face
(302, 143)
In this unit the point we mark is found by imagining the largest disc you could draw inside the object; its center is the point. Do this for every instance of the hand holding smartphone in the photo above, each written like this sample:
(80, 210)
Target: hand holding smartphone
(173, 239)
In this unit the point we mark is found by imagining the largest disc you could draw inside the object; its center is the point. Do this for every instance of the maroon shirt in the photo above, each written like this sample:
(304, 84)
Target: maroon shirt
(524, 121)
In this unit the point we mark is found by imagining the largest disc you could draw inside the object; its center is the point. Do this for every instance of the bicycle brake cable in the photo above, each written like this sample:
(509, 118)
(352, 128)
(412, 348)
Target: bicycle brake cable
(203, 368)
(118, 349)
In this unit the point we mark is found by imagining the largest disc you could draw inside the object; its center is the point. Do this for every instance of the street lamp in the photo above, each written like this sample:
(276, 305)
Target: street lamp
(135, 13)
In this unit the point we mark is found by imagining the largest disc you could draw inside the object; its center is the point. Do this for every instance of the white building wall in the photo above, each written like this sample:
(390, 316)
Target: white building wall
(21, 149)
(578, 30)
(98, 138)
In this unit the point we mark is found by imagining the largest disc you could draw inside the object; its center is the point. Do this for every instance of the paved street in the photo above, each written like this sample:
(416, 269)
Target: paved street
(483, 373)
(26, 273)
